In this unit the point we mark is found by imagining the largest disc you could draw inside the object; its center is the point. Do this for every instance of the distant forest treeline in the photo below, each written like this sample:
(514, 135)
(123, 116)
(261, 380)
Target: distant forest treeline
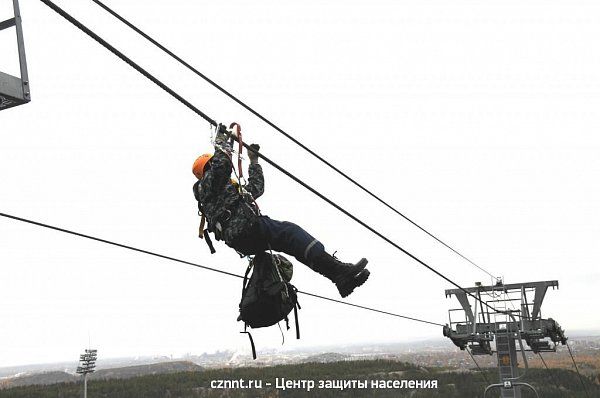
(557, 383)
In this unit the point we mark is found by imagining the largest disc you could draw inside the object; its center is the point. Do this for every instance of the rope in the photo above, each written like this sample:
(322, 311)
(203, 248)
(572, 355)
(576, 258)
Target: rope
(371, 309)
(151, 253)
(548, 369)
(281, 131)
(101, 41)
(476, 364)
(577, 369)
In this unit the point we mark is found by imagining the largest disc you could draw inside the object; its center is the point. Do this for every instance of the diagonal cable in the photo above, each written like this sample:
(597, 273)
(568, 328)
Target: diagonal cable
(548, 369)
(127, 60)
(151, 253)
(577, 369)
(478, 367)
(280, 130)
(147, 74)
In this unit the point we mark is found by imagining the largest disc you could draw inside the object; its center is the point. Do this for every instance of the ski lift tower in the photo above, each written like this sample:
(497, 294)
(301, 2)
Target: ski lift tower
(513, 316)
(14, 90)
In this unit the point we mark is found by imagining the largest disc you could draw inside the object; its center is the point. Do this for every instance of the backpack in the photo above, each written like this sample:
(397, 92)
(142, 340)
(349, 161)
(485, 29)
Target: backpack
(267, 295)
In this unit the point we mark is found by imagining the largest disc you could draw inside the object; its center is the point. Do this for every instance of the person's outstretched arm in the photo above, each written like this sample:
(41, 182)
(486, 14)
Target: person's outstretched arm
(256, 179)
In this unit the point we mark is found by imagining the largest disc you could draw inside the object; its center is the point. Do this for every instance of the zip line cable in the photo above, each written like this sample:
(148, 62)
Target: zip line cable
(147, 74)
(151, 253)
(127, 60)
(548, 369)
(577, 369)
(281, 131)
(476, 364)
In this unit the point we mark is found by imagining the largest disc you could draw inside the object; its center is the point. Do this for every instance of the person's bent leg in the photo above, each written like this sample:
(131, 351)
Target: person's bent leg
(290, 238)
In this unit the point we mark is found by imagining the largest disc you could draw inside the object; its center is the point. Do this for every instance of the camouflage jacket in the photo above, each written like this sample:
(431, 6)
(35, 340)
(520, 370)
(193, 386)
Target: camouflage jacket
(229, 212)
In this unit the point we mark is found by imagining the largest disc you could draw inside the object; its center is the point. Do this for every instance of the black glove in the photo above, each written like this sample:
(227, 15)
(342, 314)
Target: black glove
(222, 129)
(253, 153)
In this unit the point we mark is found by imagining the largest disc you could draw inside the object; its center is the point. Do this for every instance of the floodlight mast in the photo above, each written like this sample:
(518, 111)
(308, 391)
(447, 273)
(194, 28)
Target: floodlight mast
(506, 324)
(87, 365)
(14, 90)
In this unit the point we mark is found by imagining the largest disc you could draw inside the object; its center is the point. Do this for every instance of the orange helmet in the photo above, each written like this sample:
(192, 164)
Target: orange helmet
(200, 165)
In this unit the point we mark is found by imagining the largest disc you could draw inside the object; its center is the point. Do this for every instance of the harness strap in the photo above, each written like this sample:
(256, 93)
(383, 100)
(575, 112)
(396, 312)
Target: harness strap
(201, 228)
(209, 242)
(281, 331)
(245, 282)
(275, 261)
(251, 342)
(237, 129)
(296, 306)
(240, 150)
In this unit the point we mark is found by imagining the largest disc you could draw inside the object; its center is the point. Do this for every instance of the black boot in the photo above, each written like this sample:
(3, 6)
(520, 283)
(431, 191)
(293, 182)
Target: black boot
(346, 276)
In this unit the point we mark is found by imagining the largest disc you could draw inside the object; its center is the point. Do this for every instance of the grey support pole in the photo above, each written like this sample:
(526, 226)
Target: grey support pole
(21, 47)
(87, 365)
(85, 385)
(14, 90)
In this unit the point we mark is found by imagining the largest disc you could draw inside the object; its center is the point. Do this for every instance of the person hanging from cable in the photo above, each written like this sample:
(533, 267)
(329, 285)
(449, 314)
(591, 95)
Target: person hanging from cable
(233, 216)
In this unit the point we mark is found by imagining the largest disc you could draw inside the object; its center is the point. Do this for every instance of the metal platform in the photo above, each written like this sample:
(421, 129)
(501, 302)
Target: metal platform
(14, 90)
(512, 314)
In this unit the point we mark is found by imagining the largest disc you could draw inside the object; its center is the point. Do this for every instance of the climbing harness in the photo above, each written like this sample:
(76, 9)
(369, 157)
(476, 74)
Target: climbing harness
(246, 197)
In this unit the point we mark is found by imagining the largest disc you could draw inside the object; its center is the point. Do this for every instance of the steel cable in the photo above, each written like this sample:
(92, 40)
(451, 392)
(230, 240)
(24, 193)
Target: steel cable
(577, 369)
(548, 369)
(280, 130)
(151, 253)
(478, 367)
(152, 78)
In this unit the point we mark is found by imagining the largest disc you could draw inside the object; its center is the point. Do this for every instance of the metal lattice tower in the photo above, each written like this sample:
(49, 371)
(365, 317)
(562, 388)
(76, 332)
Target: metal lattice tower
(512, 315)
(14, 90)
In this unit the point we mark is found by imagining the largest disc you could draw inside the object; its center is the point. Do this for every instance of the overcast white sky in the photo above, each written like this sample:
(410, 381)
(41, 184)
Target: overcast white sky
(479, 120)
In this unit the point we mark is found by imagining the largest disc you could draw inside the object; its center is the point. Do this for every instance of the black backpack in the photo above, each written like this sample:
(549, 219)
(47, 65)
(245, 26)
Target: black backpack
(267, 295)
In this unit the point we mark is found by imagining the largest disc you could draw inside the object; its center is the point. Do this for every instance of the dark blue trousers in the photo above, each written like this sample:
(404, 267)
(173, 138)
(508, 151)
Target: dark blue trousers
(279, 236)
